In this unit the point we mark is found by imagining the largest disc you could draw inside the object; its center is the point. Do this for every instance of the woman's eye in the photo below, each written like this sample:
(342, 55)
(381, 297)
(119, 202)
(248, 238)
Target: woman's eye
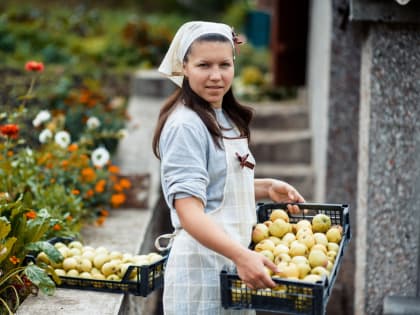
(225, 65)
(203, 65)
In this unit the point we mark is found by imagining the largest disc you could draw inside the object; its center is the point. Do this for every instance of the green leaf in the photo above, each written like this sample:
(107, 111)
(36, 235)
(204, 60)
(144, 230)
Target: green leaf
(53, 254)
(4, 227)
(6, 247)
(40, 278)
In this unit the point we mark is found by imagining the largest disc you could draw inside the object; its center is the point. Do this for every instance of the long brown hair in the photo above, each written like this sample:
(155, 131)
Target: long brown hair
(239, 114)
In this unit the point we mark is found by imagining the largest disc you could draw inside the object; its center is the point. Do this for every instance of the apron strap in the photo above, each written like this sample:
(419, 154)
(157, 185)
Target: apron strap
(168, 237)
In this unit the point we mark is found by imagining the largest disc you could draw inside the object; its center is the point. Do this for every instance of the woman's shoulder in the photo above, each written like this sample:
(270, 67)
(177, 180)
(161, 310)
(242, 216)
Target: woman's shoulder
(184, 116)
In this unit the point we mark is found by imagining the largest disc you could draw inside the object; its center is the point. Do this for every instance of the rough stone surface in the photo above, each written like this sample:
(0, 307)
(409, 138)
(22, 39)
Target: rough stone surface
(393, 210)
(342, 151)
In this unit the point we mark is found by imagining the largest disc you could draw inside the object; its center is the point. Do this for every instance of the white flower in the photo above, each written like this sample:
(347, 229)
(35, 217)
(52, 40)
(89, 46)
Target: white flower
(45, 136)
(100, 157)
(42, 116)
(93, 122)
(122, 133)
(62, 138)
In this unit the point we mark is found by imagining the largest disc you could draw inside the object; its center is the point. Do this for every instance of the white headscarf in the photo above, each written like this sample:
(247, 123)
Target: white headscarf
(172, 63)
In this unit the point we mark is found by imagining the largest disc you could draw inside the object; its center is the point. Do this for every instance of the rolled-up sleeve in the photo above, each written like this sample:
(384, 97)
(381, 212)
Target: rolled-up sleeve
(183, 149)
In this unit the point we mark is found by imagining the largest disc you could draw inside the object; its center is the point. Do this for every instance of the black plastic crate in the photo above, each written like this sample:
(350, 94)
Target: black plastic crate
(148, 278)
(290, 296)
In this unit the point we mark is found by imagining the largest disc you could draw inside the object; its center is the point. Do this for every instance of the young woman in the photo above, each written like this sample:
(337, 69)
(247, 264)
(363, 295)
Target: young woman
(207, 173)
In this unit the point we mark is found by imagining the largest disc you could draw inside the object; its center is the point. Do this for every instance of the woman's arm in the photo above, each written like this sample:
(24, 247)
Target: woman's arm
(277, 191)
(250, 264)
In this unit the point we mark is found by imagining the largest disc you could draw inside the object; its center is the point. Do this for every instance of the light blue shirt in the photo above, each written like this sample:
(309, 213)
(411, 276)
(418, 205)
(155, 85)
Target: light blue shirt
(191, 163)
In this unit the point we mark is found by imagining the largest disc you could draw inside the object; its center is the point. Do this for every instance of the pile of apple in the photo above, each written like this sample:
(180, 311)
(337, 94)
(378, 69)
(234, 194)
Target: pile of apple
(305, 250)
(96, 263)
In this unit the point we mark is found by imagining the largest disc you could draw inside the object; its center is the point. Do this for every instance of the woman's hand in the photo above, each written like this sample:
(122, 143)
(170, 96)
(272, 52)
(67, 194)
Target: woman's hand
(252, 269)
(278, 191)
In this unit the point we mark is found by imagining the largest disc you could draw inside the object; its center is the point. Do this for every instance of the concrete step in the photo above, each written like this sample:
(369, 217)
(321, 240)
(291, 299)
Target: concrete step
(281, 147)
(301, 176)
(280, 116)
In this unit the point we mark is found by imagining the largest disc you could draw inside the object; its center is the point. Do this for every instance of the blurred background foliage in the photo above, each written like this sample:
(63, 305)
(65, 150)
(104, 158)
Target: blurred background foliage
(108, 40)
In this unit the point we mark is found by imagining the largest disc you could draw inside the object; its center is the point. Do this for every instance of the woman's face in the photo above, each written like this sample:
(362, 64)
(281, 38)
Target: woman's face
(210, 70)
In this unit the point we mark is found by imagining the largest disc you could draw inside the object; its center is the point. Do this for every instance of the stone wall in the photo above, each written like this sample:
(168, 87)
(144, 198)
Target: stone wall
(388, 197)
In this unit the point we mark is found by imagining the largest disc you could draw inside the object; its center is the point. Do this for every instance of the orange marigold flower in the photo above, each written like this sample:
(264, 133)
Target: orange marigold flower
(75, 191)
(72, 147)
(118, 187)
(10, 130)
(10, 153)
(52, 180)
(117, 200)
(64, 163)
(57, 227)
(113, 169)
(125, 183)
(100, 186)
(104, 212)
(88, 174)
(31, 214)
(69, 218)
(100, 220)
(34, 66)
(14, 260)
(89, 193)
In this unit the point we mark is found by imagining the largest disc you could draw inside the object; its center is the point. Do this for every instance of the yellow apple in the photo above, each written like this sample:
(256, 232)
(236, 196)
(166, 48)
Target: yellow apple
(108, 268)
(75, 244)
(74, 251)
(87, 248)
(59, 245)
(64, 251)
(100, 259)
(330, 265)
(267, 223)
(86, 275)
(113, 277)
(281, 248)
(282, 258)
(98, 276)
(102, 250)
(276, 240)
(300, 260)
(115, 255)
(288, 238)
(320, 247)
(307, 239)
(84, 265)
(333, 246)
(259, 232)
(60, 272)
(321, 271)
(279, 228)
(303, 269)
(320, 238)
(334, 235)
(72, 273)
(127, 257)
(312, 278)
(265, 244)
(88, 255)
(331, 255)
(298, 249)
(317, 258)
(303, 224)
(303, 231)
(268, 254)
(287, 270)
(69, 263)
(321, 223)
(279, 213)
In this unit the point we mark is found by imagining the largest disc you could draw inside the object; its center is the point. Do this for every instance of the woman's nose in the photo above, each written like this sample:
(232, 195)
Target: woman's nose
(215, 74)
